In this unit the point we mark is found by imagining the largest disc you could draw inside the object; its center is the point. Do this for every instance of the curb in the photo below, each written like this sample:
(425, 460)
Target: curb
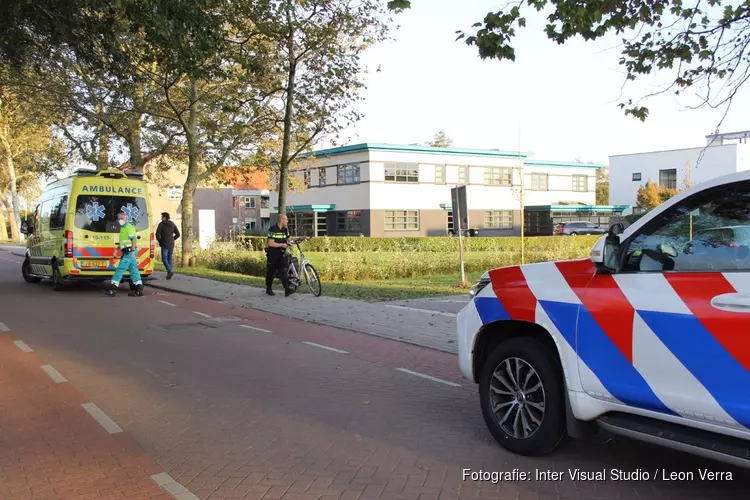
(306, 320)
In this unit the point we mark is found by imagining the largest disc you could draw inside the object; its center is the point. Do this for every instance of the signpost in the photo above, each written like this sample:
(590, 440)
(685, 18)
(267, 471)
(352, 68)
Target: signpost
(460, 222)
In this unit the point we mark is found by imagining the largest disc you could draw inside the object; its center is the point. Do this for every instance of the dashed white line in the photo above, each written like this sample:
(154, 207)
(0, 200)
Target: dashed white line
(428, 377)
(325, 347)
(202, 314)
(177, 490)
(430, 311)
(54, 374)
(101, 417)
(3, 328)
(167, 303)
(256, 328)
(22, 345)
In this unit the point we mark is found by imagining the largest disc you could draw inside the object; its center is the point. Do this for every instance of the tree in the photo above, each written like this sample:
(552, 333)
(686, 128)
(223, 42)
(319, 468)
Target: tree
(602, 186)
(705, 42)
(652, 195)
(28, 150)
(441, 140)
(319, 44)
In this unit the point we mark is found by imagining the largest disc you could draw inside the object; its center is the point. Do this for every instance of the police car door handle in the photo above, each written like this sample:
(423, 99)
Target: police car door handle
(732, 302)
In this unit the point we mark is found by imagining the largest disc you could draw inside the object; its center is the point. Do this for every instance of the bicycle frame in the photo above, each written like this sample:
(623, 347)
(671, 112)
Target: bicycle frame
(294, 277)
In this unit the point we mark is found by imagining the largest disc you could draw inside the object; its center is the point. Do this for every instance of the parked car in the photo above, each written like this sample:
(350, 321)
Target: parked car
(576, 228)
(646, 339)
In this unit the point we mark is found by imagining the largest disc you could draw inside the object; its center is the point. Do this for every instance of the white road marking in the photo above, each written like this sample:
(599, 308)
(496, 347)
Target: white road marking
(101, 417)
(428, 377)
(202, 314)
(256, 328)
(54, 374)
(177, 490)
(4, 328)
(167, 303)
(22, 345)
(430, 311)
(325, 347)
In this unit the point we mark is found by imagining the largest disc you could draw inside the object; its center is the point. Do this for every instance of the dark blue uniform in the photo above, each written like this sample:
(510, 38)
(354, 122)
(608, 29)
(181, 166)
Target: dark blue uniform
(277, 261)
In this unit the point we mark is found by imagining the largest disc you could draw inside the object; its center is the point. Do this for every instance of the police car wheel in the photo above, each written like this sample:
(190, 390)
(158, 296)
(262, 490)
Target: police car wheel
(522, 398)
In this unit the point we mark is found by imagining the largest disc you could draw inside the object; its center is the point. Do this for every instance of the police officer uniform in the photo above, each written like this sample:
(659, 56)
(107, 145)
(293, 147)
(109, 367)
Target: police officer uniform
(277, 259)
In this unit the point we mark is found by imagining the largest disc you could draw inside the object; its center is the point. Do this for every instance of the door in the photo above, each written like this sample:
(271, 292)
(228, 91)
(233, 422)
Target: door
(672, 327)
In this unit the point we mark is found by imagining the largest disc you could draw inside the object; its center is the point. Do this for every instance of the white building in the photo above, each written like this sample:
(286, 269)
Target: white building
(391, 190)
(677, 168)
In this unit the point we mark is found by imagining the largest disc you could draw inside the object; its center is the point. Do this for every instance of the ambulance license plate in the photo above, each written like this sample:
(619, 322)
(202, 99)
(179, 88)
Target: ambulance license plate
(94, 263)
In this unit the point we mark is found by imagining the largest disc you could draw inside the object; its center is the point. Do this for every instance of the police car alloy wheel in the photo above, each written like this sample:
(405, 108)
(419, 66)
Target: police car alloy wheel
(522, 399)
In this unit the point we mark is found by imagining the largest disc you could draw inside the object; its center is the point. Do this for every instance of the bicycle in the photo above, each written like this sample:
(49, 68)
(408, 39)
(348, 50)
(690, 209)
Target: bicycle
(308, 274)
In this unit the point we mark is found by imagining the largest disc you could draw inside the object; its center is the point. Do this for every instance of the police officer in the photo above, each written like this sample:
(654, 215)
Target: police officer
(128, 254)
(278, 236)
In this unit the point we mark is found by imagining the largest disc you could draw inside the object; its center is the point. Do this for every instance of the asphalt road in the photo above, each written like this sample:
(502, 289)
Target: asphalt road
(237, 403)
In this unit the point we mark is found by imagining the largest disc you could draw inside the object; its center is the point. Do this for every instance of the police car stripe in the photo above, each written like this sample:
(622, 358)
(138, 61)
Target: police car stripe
(489, 306)
(694, 346)
(514, 294)
(740, 281)
(670, 380)
(650, 292)
(547, 283)
(576, 371)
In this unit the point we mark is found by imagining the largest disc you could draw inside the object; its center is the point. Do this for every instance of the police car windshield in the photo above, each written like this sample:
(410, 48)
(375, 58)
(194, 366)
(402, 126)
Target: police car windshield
(98, 213)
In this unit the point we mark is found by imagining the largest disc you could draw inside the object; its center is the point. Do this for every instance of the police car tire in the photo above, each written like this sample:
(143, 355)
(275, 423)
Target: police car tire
(552, 430)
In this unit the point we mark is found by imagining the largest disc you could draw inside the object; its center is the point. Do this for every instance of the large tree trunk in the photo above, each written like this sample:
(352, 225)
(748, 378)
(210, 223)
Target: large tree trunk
(3, 227)
(191, 182)
(15, 213)
(288, 117)
(14, 226)
(136, 157)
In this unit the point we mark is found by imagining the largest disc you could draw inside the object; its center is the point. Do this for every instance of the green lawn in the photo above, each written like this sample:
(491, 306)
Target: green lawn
(396, 289)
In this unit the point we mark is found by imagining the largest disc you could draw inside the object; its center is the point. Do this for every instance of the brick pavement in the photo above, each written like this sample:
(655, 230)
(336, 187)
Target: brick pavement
(50, 448)
(233, 413)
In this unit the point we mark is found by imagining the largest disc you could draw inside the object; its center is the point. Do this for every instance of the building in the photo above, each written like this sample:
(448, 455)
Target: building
(677, 168)
(391, 190)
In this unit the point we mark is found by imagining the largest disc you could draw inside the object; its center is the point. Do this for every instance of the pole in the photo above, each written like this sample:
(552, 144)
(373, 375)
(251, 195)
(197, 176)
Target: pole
(521, 196)
(460, 242)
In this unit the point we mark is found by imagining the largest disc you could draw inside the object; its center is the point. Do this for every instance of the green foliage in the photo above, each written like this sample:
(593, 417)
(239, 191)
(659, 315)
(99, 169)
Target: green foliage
(352, 259)
(705, 42)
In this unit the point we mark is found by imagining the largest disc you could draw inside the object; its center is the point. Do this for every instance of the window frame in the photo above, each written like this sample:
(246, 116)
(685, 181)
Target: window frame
(662, 219)
(504, 171)
(463, 169)
(322, 176)
(401, 171)
(670, 170)
(344, 218)
(585, 183)
(443, 173)
(538, 176)
(640, 177)
(342, 173)
(502, 214)
(406, 215)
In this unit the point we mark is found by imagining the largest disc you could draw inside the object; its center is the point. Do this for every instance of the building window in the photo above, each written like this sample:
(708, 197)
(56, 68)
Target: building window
(249, 222)
(439, 174)
(174, 192)
(496, 176)
(264, 201)
(307, 178)
(498, 219)
(668, 178)
(322, 176)
(249, 202)
(463, 176)
(349, 173)
(538, 182)
(637, 176)
(450, 221)
(580, 183)
(349, 222)
(402, 220)
(401, 172)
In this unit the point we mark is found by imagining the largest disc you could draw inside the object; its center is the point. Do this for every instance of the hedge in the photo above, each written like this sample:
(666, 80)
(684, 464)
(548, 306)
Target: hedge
(357, 266)
(433, 244)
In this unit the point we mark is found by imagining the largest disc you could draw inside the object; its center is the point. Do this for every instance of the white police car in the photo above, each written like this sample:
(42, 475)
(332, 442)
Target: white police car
(649, 338)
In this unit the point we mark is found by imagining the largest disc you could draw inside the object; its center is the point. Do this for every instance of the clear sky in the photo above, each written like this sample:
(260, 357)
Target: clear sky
(564, 96)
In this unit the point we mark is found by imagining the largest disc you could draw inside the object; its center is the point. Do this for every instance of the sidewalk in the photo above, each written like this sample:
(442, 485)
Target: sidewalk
(51, 448)
(424, 328)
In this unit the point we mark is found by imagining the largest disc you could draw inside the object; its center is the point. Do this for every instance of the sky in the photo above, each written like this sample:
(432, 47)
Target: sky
(562, 98)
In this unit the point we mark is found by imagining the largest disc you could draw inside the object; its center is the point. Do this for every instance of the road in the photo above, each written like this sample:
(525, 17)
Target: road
(238, 403)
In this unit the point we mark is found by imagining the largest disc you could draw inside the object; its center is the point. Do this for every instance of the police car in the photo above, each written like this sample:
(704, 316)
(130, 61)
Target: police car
(649, 338)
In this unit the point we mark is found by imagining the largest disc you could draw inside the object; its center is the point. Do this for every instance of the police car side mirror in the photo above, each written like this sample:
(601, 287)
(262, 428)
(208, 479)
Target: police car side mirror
(616, 229)
(611, 253)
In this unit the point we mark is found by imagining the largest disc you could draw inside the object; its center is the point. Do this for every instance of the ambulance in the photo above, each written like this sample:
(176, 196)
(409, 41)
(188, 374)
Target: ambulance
(73, 233)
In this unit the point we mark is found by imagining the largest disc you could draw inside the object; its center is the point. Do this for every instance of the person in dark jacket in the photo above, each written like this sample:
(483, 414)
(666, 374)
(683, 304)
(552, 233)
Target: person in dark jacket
(278, 242)
(166, 234)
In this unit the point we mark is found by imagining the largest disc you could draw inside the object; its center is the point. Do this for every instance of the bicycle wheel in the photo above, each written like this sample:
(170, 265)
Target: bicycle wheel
(312, 279)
